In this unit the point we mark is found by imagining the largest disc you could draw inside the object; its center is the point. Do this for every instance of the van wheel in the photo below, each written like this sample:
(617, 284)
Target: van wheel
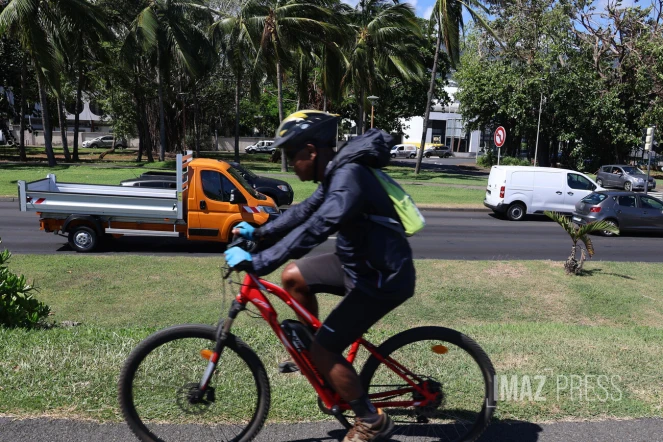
(83, 239)
(599, 182)
(516, 212)
(393, 155)
(412, 156)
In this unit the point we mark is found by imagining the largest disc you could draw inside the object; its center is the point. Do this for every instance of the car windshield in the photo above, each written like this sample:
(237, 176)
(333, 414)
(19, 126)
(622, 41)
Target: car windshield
(594, 198)
(238, 177)
(633, 171)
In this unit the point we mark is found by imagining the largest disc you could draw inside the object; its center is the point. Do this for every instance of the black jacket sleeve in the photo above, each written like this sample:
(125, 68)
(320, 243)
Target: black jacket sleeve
(342, 201)
(291, 218)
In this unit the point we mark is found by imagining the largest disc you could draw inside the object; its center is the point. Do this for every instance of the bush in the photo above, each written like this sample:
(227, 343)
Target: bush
(17, 306)
(490, 159)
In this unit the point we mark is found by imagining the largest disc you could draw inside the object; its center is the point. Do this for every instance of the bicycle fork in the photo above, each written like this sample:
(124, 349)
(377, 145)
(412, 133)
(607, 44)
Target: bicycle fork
(222, 332)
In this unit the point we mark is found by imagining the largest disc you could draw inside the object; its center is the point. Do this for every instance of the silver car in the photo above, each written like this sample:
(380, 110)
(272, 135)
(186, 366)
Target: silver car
(404, 151)
(623, 177)
(627, 210)
(105, 141)
(438, 150)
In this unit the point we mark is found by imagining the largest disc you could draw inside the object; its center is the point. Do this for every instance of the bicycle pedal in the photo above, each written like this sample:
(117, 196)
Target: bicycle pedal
(288, 367)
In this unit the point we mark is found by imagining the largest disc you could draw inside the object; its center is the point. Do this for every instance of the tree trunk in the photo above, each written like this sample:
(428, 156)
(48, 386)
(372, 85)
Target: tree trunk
(238, 85)
(324, 102)
(360, 113)
(162, 111)
(77, 106)
(196, 129)
(63, 130)
(45, 117)
(21, 143)
(431, 89)
(279, 85)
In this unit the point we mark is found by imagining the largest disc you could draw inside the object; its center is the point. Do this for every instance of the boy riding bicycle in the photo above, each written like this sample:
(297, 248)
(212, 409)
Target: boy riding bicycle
(372, 267)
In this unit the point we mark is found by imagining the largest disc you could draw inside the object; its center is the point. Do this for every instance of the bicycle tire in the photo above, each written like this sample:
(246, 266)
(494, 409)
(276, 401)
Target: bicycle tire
(155, 350)
(482, 369)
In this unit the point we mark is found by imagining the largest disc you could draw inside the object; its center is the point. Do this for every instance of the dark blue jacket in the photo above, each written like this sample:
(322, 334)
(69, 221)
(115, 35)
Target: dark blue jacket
(377, 259)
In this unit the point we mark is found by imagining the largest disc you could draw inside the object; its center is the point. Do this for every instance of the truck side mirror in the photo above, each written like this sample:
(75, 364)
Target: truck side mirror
(236, 197)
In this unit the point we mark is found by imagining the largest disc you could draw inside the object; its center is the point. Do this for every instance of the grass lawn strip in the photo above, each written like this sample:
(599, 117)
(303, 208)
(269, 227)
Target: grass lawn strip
(530, 318)
(110, 174)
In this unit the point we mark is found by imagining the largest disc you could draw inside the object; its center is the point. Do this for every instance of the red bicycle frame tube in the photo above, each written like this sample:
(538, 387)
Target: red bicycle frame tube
(252, 292)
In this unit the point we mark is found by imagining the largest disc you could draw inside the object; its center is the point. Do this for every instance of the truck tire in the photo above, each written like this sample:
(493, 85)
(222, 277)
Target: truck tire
(83, 239)
(516, 212)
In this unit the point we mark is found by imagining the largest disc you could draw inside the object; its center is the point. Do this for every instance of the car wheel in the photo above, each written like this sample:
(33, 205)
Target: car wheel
(427, 155)
(94, 146)
(628, 186)
(599, 182)
(516, 212)
(393, 155)
(613, 223)
(82, 239)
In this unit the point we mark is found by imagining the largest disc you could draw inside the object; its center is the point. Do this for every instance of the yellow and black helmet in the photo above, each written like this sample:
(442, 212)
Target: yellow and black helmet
(306, 127)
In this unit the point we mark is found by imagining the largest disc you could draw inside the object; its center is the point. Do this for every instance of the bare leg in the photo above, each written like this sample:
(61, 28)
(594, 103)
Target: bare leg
(293, 282)
(338, 372)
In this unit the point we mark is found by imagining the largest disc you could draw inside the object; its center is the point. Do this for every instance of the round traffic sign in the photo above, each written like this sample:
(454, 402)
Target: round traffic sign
(500, 136)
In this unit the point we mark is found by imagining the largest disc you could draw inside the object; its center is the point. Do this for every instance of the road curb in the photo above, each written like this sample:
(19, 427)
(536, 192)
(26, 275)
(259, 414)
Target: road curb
(7, 199)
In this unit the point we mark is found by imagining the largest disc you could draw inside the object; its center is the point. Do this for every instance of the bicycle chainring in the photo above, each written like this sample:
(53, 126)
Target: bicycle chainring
(434, 387)
(192, 401)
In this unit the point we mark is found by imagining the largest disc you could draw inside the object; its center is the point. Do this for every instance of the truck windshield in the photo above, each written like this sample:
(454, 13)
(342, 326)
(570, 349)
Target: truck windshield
(238, 177)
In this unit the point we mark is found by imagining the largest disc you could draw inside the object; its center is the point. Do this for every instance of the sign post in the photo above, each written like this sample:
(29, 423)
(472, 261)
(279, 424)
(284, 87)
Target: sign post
(499, 137)
(649, 147)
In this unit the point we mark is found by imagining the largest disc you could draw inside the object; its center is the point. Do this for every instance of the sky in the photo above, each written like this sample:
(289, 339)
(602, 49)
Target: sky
(424, 8)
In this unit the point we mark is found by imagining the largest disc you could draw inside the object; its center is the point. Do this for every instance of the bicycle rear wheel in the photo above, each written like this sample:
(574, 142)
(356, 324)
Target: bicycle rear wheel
(159, 376)
(452, 370)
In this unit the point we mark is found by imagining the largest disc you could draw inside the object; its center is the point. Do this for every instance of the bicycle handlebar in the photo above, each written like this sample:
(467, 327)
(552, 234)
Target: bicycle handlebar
(243, 244)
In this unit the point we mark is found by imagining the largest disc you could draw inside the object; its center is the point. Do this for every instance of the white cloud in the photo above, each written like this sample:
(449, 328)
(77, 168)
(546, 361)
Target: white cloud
(428, 12)
(413, 3)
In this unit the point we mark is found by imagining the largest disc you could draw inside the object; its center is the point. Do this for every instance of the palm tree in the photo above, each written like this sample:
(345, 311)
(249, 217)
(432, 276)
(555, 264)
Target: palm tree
(233, 39)
(385, 44)
(168, 30)
(447, 19)
(32, 24)
(280, 27)
(573, 265)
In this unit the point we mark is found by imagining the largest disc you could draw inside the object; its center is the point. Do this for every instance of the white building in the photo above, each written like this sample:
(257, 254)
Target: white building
(445, 125)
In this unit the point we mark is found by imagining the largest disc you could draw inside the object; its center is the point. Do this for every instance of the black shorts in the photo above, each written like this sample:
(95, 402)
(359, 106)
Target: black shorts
(354, 315)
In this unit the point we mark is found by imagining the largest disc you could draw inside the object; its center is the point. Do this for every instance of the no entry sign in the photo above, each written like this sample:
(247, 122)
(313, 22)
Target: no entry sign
(500, 136)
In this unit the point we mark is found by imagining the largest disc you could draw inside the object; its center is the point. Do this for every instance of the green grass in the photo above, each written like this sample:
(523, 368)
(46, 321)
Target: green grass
(530, 318)
(114, 172)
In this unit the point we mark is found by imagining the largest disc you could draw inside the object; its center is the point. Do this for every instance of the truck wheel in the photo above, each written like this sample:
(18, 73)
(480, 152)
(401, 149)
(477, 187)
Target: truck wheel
(516, 212)
(83, 239)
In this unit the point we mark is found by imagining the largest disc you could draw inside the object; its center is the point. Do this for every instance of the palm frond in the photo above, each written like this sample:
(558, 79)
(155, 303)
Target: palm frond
(563, 221)
(598, 226)
(588, 244)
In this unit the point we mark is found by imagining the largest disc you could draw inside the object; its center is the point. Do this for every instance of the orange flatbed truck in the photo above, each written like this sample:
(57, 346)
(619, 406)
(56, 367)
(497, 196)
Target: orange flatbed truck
(210, 199)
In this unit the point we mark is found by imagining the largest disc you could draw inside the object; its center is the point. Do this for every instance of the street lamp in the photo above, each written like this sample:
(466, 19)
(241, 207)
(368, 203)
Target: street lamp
(373, 99)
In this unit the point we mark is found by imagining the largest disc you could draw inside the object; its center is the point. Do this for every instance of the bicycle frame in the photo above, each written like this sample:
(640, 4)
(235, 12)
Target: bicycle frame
(252, 292)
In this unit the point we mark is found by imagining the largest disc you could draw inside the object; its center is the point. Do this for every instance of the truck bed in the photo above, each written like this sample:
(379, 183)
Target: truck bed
(49, 196)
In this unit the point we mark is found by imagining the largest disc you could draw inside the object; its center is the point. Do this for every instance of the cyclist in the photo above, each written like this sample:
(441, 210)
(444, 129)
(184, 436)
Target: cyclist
(372, 267)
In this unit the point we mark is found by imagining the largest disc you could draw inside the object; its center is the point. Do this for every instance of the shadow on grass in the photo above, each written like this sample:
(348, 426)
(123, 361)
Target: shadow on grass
(591, 272)
(500, 431)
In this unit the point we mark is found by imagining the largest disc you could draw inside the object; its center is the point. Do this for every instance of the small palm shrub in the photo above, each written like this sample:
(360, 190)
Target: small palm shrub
(18, 308)
(580, 235)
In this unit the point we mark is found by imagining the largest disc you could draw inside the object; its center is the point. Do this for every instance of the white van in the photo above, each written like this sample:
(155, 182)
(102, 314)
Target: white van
(519, 190)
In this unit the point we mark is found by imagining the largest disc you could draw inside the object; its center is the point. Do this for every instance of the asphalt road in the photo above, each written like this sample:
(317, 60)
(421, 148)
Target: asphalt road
(448, 235)
(52, 430)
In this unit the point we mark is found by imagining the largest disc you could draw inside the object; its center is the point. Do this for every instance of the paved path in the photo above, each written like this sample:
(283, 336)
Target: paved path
(642, 430)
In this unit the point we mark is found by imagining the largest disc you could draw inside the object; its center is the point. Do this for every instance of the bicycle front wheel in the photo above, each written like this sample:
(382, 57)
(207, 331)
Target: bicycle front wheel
(161, 375)
(454, 398)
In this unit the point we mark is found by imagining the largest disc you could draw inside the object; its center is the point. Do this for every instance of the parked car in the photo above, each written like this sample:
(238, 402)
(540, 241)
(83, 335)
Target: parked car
(626, 210)
(515, 191)
(105, 141)
(264, 146)
(438, 150)
(278, 190)
(623, 177)
(404, 150)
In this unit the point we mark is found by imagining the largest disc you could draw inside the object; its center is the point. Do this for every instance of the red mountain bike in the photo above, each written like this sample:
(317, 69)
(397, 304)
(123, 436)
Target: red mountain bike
(187, 380)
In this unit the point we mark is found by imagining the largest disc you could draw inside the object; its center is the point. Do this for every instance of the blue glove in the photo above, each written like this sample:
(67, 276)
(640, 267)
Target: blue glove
(245, 230)
(238, 258)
